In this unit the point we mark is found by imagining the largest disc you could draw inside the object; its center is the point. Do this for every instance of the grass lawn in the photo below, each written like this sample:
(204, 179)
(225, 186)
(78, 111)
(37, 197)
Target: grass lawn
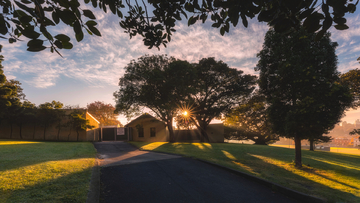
(45, 171)
(331, 176)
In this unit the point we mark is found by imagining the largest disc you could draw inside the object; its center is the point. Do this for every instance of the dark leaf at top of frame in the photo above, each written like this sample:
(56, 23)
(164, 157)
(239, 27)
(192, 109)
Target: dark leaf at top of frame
(62, 38)
(89, 14)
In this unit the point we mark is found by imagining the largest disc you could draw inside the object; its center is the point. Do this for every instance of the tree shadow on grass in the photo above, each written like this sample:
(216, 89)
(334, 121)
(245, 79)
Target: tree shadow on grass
(21, 155)
(70, 188)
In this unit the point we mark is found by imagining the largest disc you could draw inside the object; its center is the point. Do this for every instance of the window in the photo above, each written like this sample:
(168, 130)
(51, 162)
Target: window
(141, 132)
(152, 132)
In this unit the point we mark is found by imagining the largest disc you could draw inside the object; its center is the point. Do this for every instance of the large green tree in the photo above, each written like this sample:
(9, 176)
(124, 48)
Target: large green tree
(155, 20)
(298, 76)
(352, 80)
(250, 121)
(217, 88)
(156, 82)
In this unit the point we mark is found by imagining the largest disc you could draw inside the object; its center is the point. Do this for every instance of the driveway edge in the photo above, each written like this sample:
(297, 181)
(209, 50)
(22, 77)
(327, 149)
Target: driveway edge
(275, 187)
(94, 189)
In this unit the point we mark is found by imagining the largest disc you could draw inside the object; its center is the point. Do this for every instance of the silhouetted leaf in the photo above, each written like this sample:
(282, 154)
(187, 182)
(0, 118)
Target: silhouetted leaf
(35, 42)
(192, 20)
(340, 20)
(244, 20)
(36, 48)
(91, 23)
(77, 27)
(94, 30)
(67, 45)
(79, 36)
(351, 8)
(327, 23)
(30, 33)
(89, 14)
(62, 37)
(58, 44)
(25, 19)
(341, 27)
(55, 17)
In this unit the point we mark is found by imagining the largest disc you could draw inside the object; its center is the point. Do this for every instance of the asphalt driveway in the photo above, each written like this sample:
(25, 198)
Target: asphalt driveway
(131, 175)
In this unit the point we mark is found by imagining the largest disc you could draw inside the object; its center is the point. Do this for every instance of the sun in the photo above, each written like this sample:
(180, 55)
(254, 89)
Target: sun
(186, 112)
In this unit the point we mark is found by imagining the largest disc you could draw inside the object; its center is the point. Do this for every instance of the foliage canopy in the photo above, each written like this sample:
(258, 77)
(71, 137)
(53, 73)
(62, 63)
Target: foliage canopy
(155, 20)
(298, 76)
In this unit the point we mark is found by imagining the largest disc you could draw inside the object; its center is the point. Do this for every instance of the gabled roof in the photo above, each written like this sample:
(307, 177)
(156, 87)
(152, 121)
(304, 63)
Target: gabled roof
(144, 116)
(92, 117)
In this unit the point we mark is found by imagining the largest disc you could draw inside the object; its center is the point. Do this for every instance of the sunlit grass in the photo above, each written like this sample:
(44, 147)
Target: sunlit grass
(10, 142)
(45, 171)
(152, 145)
(331, 176)
(332, 149)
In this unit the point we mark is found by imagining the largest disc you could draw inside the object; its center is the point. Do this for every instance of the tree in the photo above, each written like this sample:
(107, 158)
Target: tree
(250, 120)
(10, 96)
(48, 114)
(352, 80)
(23, 113)
(31, 19)
(217, 89)
(355, 132)
(156, 82)
(28, 116)
(78, 122)
(298, 76)
(104, 113)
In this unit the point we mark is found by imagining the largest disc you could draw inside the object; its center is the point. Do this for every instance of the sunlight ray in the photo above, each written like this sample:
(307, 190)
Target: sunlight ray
(333, 163)
(152, 145)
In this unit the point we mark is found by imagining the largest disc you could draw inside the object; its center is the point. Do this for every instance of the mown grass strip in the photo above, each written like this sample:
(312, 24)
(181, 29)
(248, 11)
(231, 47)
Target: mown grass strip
(45, 171)
(331, 176)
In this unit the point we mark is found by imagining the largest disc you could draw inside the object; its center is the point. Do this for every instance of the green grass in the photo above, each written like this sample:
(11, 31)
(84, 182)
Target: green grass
(45, 171)
(331, 176)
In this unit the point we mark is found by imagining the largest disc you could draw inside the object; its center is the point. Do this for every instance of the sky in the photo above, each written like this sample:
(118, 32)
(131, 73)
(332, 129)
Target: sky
(91, 70)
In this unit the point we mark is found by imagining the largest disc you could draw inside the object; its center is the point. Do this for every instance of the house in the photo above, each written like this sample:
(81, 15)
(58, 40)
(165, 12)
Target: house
(147, 128)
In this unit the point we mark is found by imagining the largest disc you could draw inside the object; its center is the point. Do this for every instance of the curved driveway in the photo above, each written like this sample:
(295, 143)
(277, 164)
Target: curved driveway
(131, 175)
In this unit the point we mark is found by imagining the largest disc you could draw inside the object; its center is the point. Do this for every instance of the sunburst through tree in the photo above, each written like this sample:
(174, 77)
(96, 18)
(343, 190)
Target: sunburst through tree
(185, 116)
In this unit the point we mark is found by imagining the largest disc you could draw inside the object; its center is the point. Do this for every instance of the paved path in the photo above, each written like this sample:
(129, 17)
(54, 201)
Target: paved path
(130, 175)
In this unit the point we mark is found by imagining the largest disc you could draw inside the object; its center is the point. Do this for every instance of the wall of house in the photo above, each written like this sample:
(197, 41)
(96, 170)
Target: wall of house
(52, 132)
(214, 131)
(92, 120)
(147, 123)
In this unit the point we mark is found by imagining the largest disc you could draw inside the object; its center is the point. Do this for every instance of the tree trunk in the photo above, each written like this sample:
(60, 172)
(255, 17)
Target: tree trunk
(34, 131)
(44, 131)
(298, 163)
(11, 130)
(69, 134)
(171, 131)
(58, 135)
(311, 144)
(20, 131)
(77, 137)
(204, 135)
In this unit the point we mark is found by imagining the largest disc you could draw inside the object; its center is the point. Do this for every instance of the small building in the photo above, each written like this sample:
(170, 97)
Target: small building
(147, 128)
